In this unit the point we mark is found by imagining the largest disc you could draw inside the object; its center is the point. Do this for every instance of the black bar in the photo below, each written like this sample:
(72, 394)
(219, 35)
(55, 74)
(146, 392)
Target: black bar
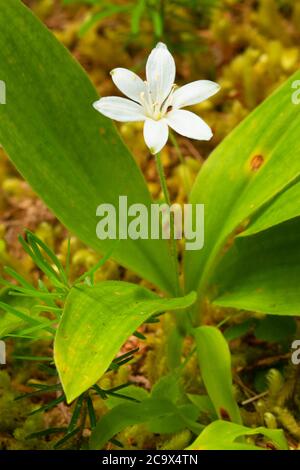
(136, 458)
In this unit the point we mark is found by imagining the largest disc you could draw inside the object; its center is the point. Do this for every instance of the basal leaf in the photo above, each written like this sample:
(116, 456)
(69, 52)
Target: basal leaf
(250, 168)
(222, 435)
(261, 273)
(71, 155)
(96, 322)
(215, 366)
(169, 386)
(283, 207)
(182, 417)
(160, 416)
(127, 414)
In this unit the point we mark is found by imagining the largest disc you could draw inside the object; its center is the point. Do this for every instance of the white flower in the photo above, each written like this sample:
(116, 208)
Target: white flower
(158, 101)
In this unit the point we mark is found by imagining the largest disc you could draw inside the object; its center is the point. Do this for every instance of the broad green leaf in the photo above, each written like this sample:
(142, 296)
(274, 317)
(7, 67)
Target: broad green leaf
(284, 207)
(185, 414)
(169, 387)
(182, 417)
(215, 366)
(71, 155)
(222, 435)
(252, 166)
(159, 413)
(96, 322)
(124, 415)
(261, 273)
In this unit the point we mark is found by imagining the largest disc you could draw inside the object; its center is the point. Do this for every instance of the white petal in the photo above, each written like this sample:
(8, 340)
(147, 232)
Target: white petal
(120, 109)
(128, 83)
(194, 93)
(189, 124)
(160, 72)
(155, 134)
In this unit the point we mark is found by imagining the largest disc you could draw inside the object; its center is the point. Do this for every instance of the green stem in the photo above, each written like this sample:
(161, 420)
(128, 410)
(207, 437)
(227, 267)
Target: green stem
(182, 161)
(173, 246)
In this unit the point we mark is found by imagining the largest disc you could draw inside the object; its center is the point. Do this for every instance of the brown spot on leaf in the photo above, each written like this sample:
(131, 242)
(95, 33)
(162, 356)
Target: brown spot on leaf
(256, 162)
(224, 414)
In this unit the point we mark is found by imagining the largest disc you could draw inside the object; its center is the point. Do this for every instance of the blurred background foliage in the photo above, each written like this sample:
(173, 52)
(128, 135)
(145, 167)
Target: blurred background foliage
(249, 47)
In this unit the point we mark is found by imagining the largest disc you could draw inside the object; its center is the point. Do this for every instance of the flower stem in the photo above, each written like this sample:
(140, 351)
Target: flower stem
(173, 246)
(182, 161)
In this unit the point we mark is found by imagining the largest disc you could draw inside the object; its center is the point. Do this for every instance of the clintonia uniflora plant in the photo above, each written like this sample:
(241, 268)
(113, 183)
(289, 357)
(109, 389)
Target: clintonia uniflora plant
(158, 102)
(74, 159)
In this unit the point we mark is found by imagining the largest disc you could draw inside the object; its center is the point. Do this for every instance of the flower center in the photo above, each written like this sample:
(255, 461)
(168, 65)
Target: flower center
(156, 109)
